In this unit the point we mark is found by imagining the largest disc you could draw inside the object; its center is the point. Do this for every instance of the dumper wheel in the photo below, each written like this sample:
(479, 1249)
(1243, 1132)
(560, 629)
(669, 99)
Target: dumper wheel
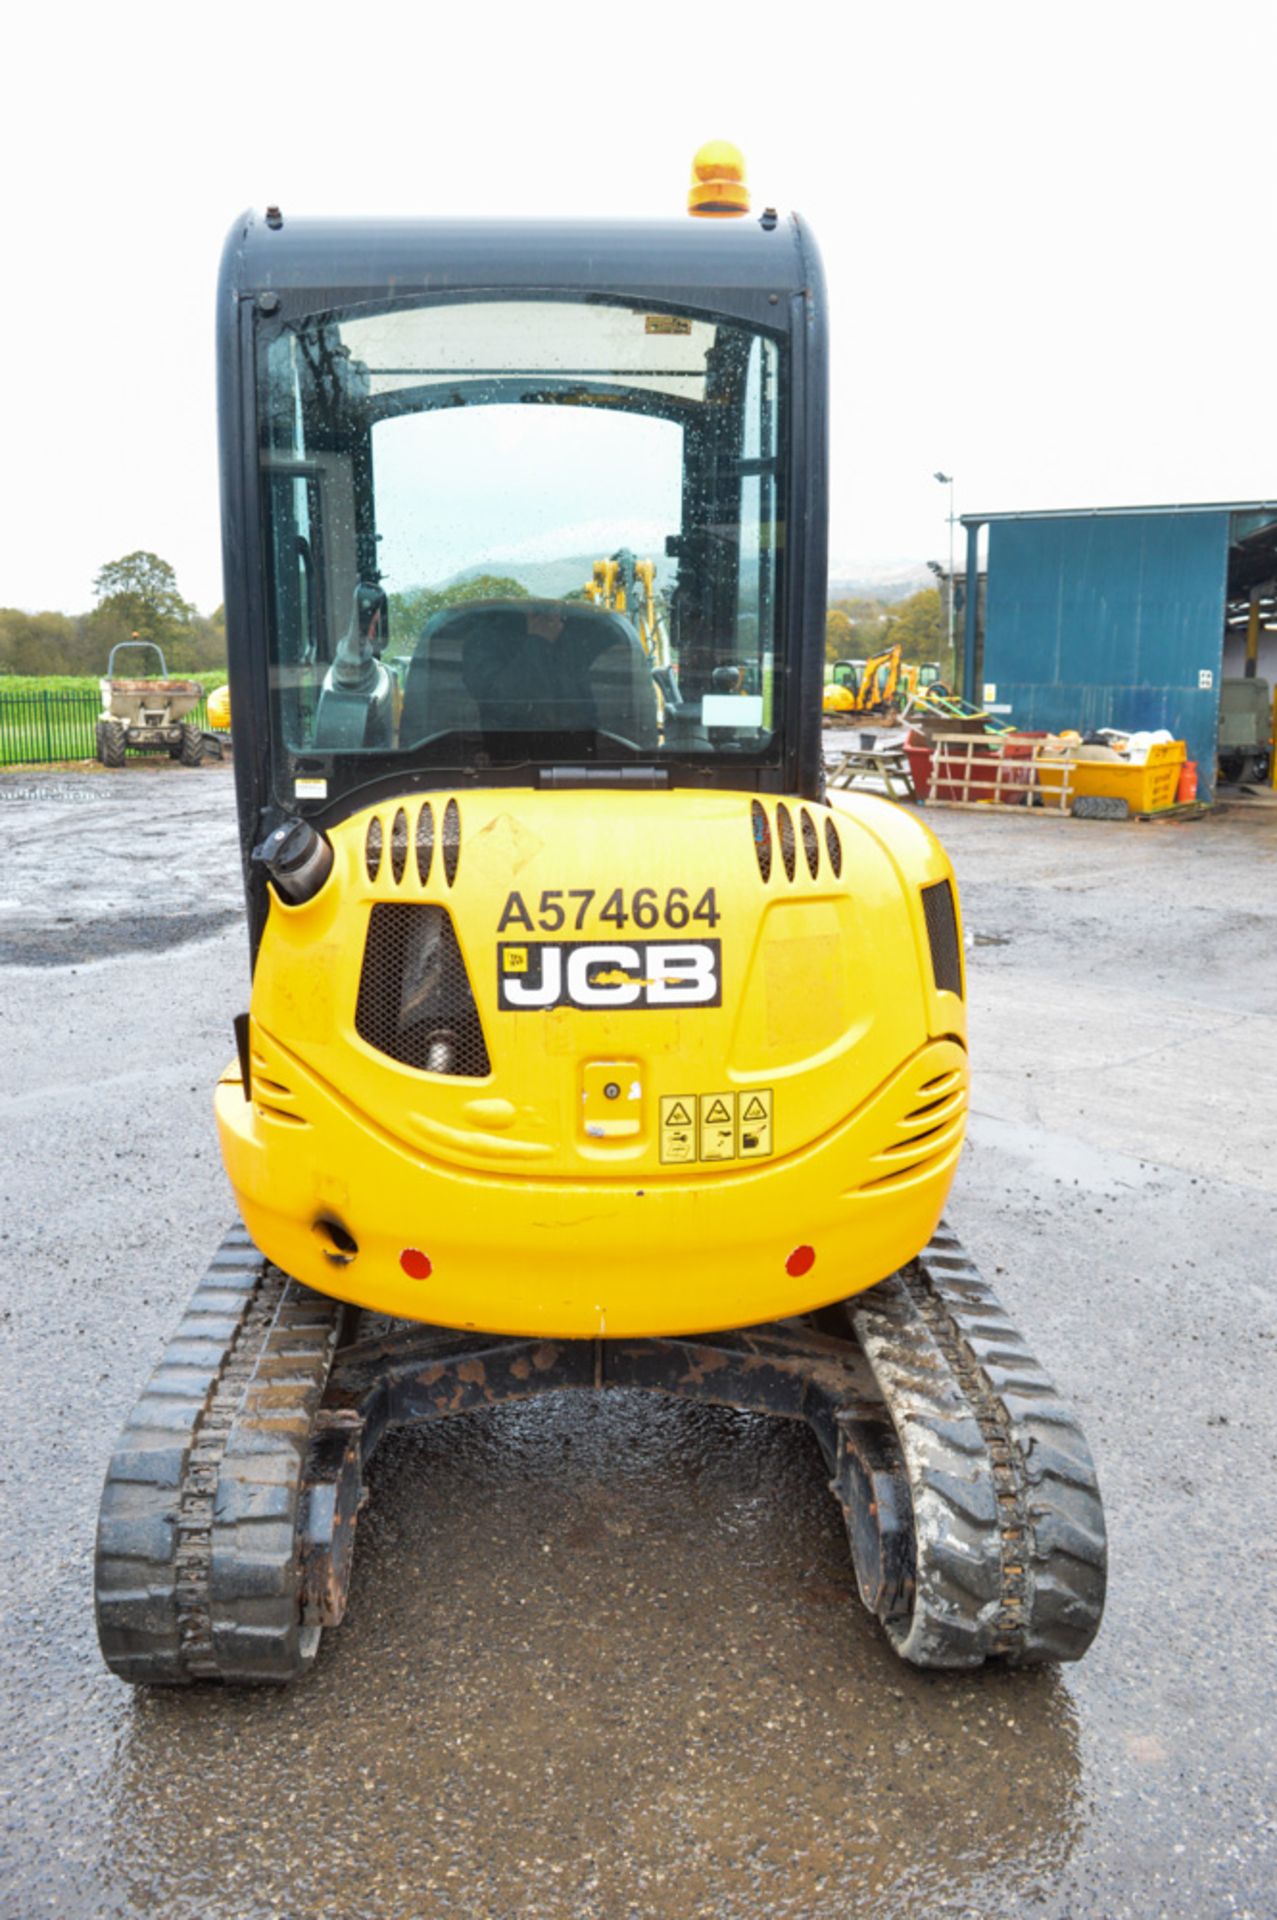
(110, 743)
(191, 751)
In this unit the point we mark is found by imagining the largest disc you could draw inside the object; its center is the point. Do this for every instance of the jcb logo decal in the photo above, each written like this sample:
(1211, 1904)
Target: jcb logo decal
(590, 973)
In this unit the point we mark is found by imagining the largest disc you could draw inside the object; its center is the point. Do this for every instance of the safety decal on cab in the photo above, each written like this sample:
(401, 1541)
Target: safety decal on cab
(597, 974)
(707, 1127)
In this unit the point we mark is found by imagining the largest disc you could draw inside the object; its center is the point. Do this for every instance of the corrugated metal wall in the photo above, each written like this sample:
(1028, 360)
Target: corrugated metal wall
(1108, 621)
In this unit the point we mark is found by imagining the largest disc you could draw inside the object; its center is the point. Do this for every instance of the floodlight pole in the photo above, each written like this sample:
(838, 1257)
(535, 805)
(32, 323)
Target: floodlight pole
(946, 479)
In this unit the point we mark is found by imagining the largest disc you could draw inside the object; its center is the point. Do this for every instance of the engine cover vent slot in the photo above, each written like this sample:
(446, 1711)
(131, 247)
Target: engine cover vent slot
(942, 932)
(762, 830)
(833, 846)
(372, 847)
(425, 841)
(920, 1135)
(415, 999)
(811, 842)
(785, 832)
(451, 840)
(399, 845)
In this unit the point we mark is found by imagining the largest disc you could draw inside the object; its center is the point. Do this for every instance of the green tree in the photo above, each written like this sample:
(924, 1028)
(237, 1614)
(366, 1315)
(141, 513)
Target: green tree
(37, 642)
(410, 611)
(139, 592)
(917, 627)
(854, 628)
(863, 611)
(840, 635)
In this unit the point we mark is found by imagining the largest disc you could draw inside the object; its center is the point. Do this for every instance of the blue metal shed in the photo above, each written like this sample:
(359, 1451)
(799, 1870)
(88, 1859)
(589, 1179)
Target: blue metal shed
(1113, 617)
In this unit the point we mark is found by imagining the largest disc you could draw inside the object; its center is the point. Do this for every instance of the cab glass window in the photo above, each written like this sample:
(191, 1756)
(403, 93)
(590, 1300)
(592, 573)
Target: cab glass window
(510, 531)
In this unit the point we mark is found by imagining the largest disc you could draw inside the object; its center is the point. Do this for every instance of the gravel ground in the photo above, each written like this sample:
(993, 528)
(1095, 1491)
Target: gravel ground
(604, 1657)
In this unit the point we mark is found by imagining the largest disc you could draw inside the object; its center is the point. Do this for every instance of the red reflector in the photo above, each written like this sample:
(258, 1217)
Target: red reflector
(415, 1264)
(801, 1261)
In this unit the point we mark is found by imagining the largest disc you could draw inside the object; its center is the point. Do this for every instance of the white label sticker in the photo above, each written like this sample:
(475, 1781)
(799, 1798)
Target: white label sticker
(732, 710)
(1205, 679)
(990, 691)
(310, 789)
(608, 973)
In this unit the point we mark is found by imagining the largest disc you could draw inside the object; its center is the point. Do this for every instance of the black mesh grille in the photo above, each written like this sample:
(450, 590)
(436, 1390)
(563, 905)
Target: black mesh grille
(811, 843)
(785, 831)
(834, 845)
(415, 1002)
(942, 931)
(762, 837)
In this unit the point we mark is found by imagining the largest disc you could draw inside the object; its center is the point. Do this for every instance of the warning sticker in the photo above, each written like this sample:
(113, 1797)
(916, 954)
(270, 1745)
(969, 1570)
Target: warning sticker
(678, 1130)
(755, 1125)
(711, 1127)
(718, 1126)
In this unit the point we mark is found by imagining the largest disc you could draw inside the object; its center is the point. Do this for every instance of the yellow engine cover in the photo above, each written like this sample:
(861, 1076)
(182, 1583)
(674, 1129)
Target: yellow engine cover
(705, 1076)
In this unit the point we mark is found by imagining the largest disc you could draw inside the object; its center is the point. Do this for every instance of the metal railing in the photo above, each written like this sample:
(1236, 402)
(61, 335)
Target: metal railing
(40, 727)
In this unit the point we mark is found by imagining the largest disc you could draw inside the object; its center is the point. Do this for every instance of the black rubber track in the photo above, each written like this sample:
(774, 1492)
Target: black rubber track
(198, 1566)
(1011, 1558)
(197, 1574)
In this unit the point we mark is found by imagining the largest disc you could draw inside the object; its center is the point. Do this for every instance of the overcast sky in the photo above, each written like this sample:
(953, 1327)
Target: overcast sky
(1048, 231)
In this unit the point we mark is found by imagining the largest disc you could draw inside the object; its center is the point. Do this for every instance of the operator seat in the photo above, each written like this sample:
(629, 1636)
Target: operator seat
(479, 669)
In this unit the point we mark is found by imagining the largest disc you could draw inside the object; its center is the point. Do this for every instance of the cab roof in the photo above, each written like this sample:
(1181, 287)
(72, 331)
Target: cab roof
(748, 268)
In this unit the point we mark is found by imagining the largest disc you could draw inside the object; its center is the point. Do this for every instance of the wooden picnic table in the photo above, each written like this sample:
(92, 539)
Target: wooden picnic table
(873, 770)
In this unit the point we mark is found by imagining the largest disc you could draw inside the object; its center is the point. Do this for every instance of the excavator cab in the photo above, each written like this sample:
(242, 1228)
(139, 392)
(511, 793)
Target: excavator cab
(563, 390)
(589, 1044)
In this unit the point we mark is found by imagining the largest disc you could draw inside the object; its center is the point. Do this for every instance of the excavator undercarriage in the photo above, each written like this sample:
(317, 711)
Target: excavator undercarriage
(229, 1519)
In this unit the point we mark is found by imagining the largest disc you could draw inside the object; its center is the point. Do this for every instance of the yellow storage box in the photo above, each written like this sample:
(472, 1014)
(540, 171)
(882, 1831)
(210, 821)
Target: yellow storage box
(1146, 789)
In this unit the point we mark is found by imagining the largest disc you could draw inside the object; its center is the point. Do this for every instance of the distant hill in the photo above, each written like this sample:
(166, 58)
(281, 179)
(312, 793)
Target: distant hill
(877, 580)
(544, 579)
(887, 580)
(551, 579)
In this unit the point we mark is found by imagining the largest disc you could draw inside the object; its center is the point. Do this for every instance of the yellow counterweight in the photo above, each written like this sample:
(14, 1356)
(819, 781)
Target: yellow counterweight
(587, 1063)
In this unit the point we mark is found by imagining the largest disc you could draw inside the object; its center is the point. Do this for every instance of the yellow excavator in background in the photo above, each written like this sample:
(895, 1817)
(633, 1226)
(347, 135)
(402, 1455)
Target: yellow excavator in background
(864, 690)
(626, 585)
(879, 686)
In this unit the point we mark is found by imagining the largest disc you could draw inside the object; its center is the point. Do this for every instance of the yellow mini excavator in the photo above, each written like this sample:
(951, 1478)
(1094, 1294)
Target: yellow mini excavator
(627, 585)
(590, 1044)
(868, 688)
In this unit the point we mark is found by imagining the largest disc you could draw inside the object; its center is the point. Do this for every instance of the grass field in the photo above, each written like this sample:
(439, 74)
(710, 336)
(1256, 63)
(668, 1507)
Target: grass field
(52, 717)
(208, 677)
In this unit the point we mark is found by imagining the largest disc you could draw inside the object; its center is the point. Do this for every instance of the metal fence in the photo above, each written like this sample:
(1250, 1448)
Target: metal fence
(36, 728)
